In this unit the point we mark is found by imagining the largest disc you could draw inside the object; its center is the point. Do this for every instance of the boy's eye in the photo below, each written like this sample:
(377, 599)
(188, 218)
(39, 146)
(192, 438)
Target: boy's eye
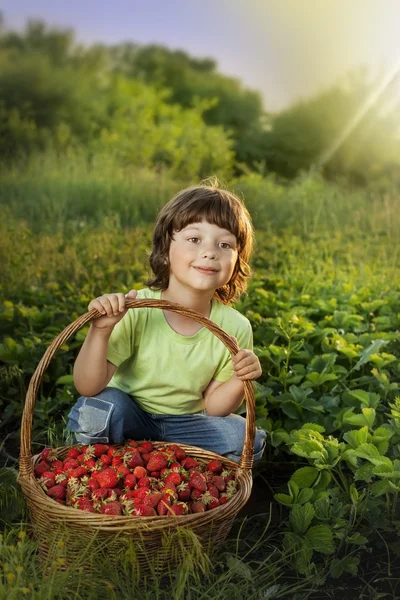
(193, 238)
(225, 245)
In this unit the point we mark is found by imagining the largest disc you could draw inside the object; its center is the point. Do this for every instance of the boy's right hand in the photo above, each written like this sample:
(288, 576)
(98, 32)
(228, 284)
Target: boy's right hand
(113, 307)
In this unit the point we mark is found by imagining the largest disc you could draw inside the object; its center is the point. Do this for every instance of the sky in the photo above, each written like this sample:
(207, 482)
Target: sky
(286, 49)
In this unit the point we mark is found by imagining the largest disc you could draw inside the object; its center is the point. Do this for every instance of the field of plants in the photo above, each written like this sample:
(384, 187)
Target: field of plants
(324, 303)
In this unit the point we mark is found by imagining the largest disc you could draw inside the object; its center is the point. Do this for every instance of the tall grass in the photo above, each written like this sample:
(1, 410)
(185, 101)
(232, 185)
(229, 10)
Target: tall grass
(59, 194)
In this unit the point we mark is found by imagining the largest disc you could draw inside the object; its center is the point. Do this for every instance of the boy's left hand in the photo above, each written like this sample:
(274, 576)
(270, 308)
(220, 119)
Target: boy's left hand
(246, 365)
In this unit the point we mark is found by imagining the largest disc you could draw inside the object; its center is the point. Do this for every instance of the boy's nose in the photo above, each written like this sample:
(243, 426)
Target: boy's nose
(209, 252)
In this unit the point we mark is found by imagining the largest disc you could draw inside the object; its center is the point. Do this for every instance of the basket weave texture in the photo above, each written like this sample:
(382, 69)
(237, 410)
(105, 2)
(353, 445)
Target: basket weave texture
(210, 527)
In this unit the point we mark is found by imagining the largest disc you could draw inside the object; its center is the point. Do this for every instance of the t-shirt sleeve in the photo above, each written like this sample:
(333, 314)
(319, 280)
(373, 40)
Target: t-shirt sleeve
(245, 341)
(121, 341)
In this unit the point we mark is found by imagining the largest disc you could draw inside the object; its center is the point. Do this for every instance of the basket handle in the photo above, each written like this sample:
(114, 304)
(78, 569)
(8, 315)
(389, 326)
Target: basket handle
(25, 464)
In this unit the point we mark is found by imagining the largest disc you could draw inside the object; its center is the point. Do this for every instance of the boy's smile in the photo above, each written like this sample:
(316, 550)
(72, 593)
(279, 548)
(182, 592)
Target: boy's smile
(202, 256)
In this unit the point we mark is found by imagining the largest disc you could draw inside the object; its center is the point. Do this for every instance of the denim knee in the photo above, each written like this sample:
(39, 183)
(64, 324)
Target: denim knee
(99, 419)
(259, 444)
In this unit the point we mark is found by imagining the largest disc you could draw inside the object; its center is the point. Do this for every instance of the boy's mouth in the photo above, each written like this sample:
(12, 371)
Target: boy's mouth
(208, 271)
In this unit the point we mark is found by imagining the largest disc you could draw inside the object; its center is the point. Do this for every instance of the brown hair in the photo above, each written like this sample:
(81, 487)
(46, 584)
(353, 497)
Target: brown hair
(217, 206)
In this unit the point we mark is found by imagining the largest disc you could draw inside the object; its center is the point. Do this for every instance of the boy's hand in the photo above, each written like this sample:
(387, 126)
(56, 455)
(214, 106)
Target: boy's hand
(112, 306)
(246, 365)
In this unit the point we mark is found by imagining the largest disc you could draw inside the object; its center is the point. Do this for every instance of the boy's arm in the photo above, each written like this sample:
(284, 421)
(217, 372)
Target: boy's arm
(222, 398)
(92, 370)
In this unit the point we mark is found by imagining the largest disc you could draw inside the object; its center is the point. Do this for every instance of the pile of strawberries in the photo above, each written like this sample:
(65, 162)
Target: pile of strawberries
(134, 479)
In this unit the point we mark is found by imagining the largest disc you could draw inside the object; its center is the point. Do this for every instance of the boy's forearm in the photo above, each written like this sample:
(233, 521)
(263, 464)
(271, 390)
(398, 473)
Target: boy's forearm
(90, 368)
(226, 398)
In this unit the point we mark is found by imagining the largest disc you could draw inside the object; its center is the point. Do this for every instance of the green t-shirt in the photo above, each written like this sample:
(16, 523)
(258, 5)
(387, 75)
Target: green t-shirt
(164, 371)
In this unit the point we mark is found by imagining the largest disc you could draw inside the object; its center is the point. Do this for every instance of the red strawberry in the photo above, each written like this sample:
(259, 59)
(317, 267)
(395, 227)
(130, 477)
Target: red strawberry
(57, 464)
(157, 462)
(112, 508)
(78, 472)
(228, 475)
(219, 482)
(74, 452)
(152, 499)
(162, 506)
(196, 494)
(189, 463)
(140, 472)
(179, 508)
(70, 463)
(99, 449)
(122, 470)
(183, 490)
(84, 504)
(47, 479)
(145, 447)
(107, 478)
(41, 468)
(174, 478)
(144, 481)
(101, 494)
(105, 459)
(215, 466)
(213, 490)
(133, 459)
(90, 464)
(179, 452)
(198, 507)
(223, 499)
(48, 455)
(198, 481)
(144, 511)
(175, 466)
(141, 492)
(155, 474)
(112, 450)
(116, 460)
(93, 484)
(131, 443)
(209, 501)
(130, 481)
(62, 479)
(57, 491)
(81, 458)
(146, 456)
(127, 496)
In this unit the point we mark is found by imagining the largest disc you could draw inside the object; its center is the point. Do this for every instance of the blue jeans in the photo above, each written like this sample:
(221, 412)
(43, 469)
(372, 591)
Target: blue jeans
(112, 416)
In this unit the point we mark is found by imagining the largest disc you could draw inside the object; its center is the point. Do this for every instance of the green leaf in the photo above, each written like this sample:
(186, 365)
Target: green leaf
(367, 418)
(380, 487)
(364, 473)
(368, 352)
(320, 378)
(284, 499)
(304, 495)
(320, 539)
(301, 517)
(356, 538)
(356, 436)
(305, 477)
(354, 494)
(65, 379)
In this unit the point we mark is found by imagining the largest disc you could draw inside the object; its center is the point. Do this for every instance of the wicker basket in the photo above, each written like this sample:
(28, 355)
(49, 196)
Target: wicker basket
(150, 533)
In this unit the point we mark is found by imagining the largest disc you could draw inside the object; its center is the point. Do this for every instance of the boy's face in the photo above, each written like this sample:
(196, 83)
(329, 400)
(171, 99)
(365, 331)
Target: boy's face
(202, 256)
